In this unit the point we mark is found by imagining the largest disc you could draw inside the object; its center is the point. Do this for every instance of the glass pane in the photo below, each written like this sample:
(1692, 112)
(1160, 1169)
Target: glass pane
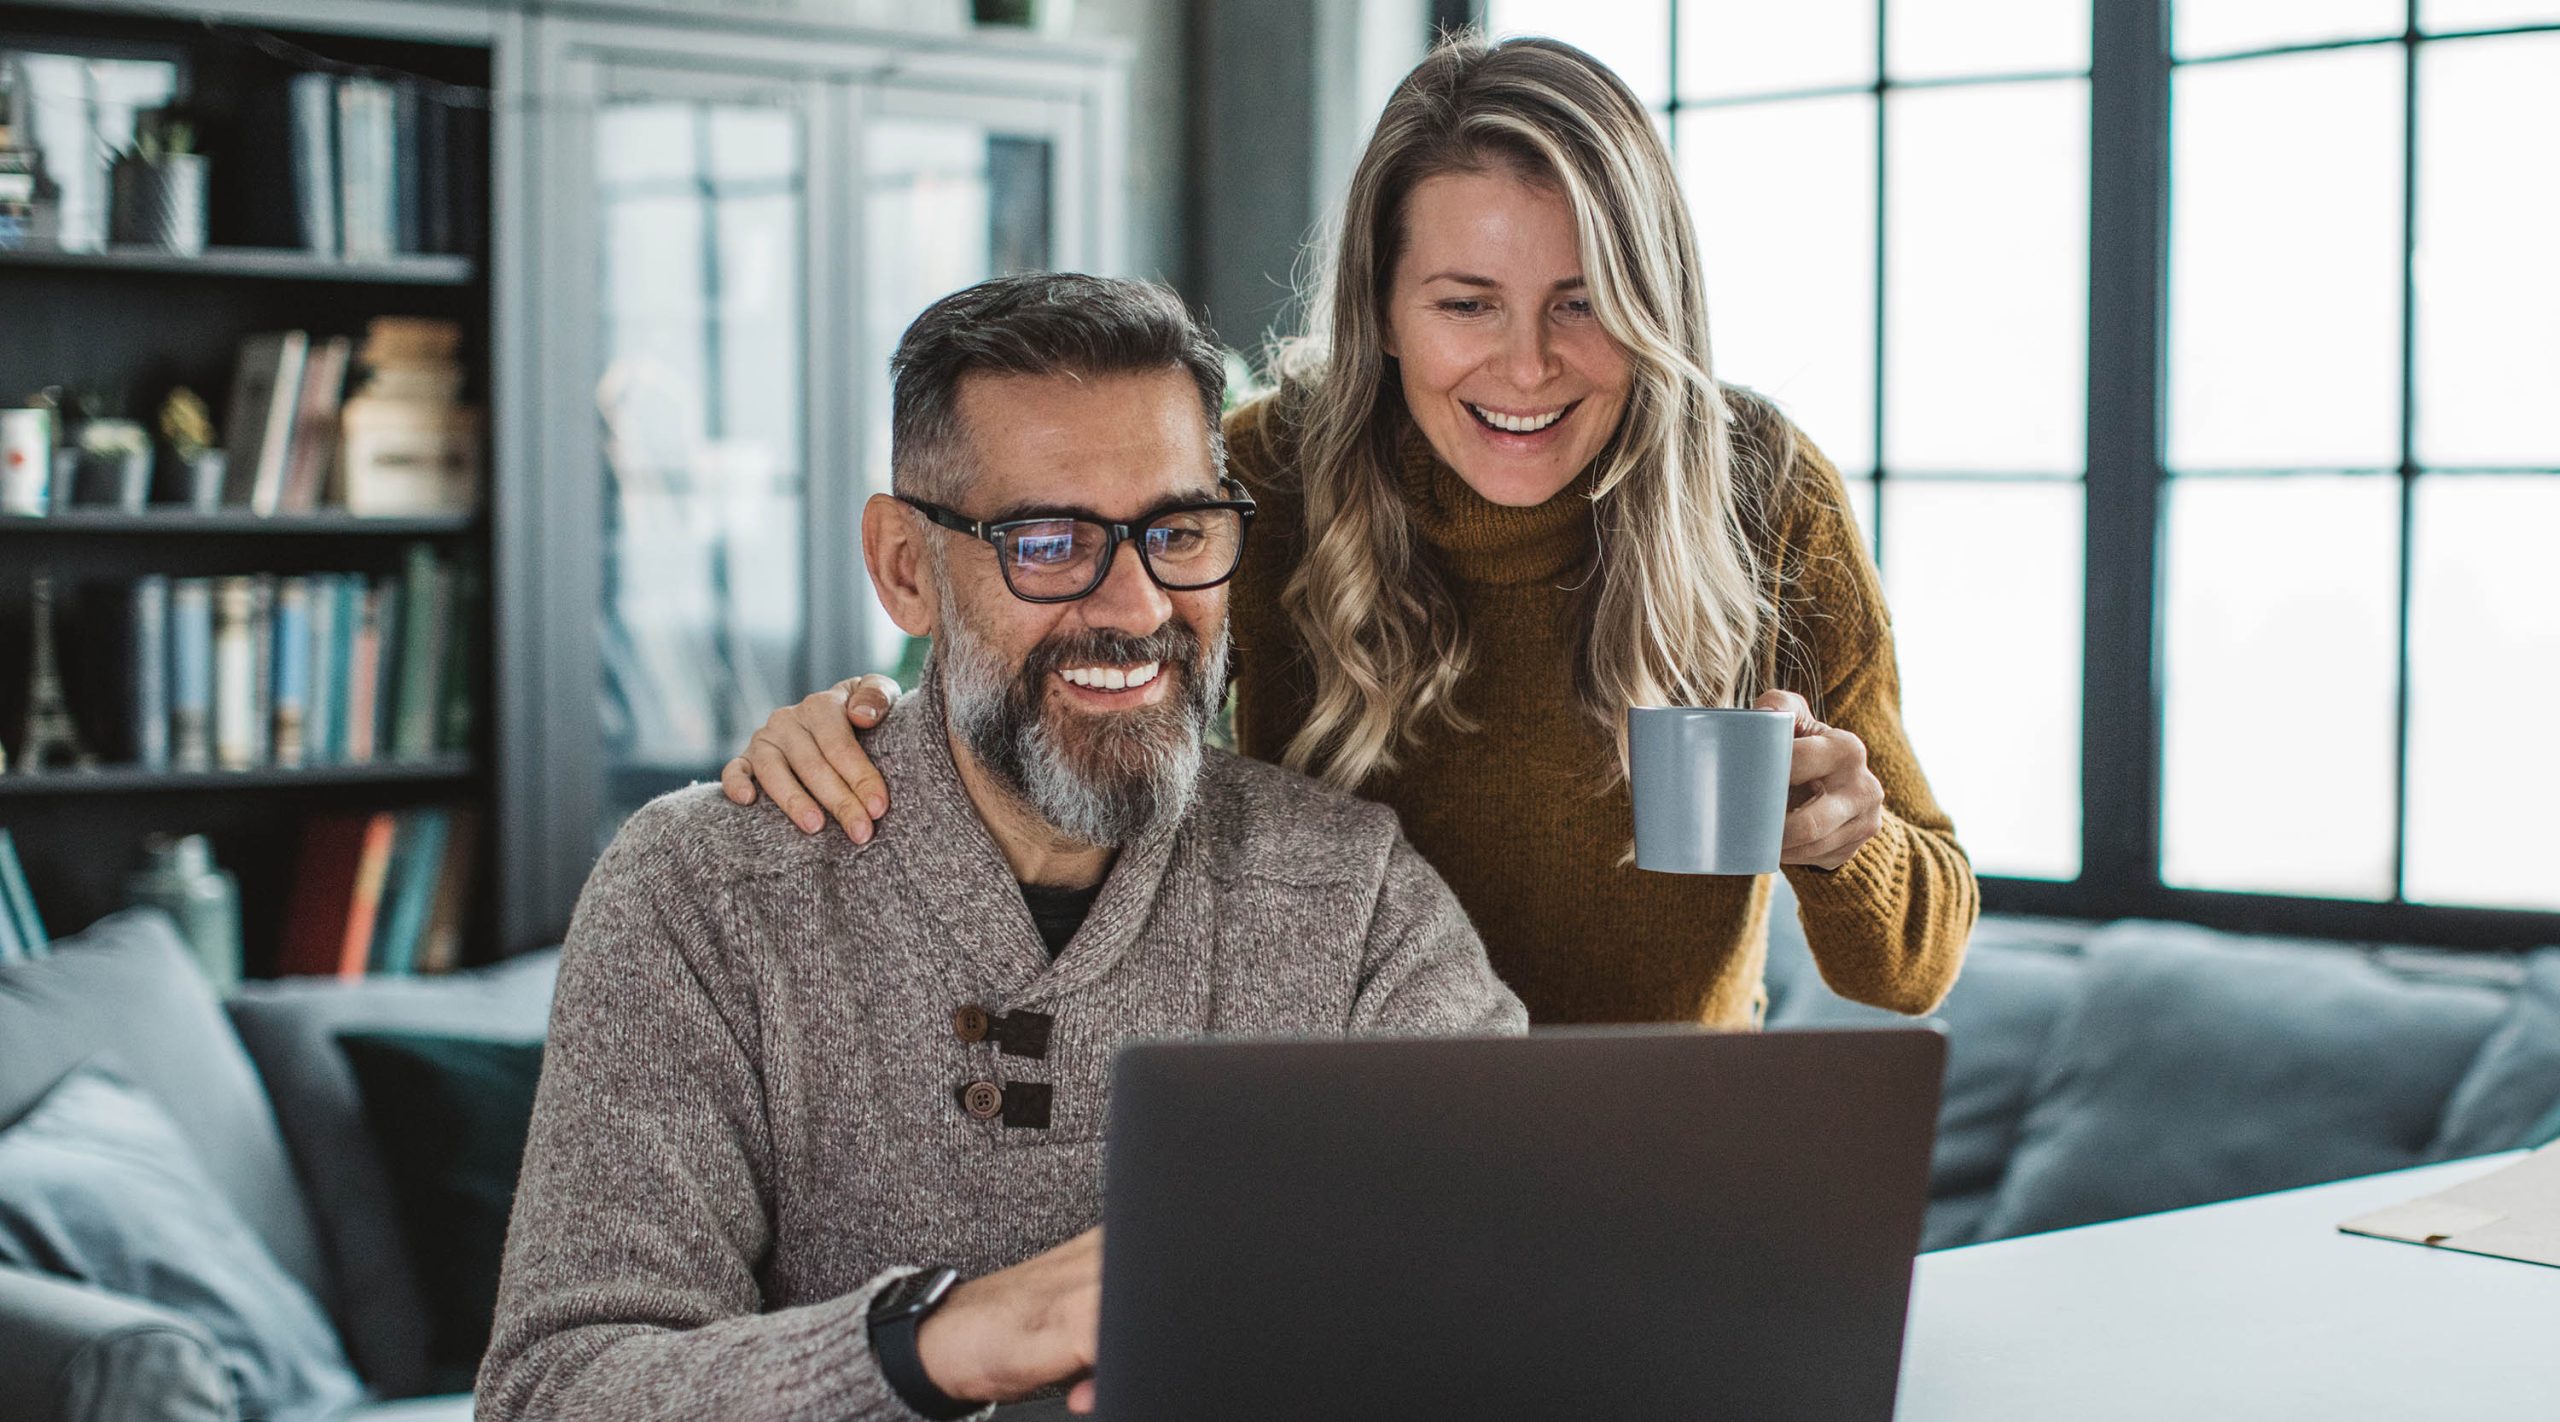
(946, 202)
(701, 207)
(2237, 26)
(1933, 39)
(1862, 502)
(2484, 655)
(2488, 291)
(2004, 762)
(1632, 37)
(2281, 609)
(1787, 230)
(2439, 16)
(1744, 47)
(1987, 287)
(2285, 274)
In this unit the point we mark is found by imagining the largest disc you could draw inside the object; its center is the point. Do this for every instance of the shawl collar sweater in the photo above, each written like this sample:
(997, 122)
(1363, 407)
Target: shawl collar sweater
(751, 1113)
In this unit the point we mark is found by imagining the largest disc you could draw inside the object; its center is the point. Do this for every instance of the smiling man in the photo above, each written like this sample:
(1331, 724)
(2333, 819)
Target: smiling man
(819, 1133)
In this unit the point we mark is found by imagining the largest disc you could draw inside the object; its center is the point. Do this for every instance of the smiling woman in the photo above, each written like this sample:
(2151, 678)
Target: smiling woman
(1505, 500)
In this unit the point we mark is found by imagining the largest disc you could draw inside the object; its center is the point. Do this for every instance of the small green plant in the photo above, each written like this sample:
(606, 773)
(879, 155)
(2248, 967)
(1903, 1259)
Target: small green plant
(186, 423)
(162, 133)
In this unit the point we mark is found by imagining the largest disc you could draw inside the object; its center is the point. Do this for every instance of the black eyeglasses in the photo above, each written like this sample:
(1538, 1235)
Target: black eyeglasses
(1184, 546)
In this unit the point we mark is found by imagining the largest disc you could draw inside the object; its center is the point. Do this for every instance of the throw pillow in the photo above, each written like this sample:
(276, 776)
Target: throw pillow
(449, 1117)
(2197, 1066)
(2515, 1080)
(98, 1185)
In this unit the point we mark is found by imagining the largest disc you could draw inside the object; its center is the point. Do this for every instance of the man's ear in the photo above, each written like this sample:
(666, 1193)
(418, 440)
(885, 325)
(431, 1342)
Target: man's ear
(893, 548)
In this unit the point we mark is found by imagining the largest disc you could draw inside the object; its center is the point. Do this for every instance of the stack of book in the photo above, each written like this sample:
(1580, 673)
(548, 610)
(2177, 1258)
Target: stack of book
(22, 934)
(375, 167)
(380, 892)
(243, 672)
(411, 446)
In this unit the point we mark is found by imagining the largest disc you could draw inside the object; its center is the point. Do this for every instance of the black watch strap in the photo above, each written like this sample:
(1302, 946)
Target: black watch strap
(896, 1314)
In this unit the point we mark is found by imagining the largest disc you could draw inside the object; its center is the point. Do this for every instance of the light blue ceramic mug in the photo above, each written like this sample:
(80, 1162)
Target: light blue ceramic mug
(1710, 787)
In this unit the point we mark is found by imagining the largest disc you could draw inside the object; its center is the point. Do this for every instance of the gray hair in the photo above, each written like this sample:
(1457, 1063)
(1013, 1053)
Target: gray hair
(1034, 323)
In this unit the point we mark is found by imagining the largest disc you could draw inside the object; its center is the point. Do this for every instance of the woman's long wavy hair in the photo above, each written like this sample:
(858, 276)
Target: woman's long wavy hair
(1673, 609)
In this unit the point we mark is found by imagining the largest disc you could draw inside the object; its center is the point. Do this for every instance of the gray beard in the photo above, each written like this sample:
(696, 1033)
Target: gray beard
(1101, 780)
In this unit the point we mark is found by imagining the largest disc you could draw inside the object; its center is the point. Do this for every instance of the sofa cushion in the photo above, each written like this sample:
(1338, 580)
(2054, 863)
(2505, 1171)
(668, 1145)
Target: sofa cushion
(291, 1026)
(2195, 1066)
(451, 1114)
(2515, 1081)
(126, 987)
(74, 1352)
(98, 1185)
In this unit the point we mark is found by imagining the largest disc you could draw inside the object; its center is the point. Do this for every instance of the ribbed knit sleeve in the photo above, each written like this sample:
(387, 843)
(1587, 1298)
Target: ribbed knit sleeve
(630, 1289)
(1889, 926)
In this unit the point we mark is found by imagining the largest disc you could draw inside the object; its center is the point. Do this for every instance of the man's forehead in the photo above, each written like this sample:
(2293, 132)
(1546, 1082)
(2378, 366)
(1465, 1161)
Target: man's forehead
(1117, 443)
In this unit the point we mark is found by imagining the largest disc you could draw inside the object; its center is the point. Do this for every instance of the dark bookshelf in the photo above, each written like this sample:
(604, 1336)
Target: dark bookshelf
(186, 523)
(132, 324)
(271, 263)
(124, 779)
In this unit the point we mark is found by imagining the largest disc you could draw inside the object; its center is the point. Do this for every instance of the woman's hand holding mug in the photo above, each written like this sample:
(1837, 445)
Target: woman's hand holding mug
(1834, 803)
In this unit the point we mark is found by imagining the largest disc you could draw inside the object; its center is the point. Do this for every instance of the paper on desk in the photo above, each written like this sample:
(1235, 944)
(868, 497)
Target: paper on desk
(2511, 1213)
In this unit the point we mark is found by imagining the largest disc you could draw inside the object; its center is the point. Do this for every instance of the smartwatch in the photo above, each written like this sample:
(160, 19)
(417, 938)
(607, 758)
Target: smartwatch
(896, 1313)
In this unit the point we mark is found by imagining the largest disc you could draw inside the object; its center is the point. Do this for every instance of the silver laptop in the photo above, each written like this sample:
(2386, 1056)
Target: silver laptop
(1641, 1222)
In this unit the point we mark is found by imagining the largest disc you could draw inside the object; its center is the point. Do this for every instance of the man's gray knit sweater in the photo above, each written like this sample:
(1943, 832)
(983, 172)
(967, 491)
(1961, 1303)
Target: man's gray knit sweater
(751, 1114)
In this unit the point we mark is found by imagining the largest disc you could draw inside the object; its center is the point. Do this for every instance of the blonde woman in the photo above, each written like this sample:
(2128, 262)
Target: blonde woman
(1503, 499)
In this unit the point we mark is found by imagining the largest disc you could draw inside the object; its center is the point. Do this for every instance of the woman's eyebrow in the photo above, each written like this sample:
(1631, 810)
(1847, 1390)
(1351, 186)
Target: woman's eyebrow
(1571, 283)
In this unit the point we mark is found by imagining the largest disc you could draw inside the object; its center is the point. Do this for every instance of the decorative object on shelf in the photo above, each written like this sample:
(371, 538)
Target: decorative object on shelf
(187, 425)
(409, 445)
(114, 465)
(179, 877)
(159, 187)
(52, 740)
(80, 110)
(26, 461)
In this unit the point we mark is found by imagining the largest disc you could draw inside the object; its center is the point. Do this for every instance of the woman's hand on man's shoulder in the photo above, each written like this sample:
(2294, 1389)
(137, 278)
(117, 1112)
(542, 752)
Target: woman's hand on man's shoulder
(805, 757)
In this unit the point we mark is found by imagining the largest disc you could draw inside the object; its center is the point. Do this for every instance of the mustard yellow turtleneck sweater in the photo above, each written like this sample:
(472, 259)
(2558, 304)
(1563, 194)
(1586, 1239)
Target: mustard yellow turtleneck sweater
(1524, 816)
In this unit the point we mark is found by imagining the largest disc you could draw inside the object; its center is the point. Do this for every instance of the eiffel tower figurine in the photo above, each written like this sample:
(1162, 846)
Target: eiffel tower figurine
(51, 740)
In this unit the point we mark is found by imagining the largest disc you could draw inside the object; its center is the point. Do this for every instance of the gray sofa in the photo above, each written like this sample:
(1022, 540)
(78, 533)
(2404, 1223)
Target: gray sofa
(2097, 1071)
(270, 1106)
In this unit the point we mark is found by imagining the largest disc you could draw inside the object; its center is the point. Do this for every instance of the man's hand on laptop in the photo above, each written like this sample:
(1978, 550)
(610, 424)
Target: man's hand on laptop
(1021, 1329)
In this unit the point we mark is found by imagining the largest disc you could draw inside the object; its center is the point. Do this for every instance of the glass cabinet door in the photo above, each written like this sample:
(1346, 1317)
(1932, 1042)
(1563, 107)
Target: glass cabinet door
(953, 192)
(700, 392)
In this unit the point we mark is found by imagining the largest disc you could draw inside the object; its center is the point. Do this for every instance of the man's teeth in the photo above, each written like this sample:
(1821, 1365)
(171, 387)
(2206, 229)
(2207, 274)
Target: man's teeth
(1518, 424)
(1113, 678)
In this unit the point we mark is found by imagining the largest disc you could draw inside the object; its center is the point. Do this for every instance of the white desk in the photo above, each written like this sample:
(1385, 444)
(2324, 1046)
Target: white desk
(2255, 1308)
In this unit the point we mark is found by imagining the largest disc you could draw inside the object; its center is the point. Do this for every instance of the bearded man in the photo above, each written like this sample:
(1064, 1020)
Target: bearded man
(819, 1133)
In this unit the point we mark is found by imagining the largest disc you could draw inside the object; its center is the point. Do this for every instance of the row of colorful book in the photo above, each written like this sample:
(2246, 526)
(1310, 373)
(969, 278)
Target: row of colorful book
(387, 891)
(257, 670)
(22, 933)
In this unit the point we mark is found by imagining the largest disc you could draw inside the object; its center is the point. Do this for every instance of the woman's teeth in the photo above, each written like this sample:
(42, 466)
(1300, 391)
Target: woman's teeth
(1519, 424)
(1113, 678)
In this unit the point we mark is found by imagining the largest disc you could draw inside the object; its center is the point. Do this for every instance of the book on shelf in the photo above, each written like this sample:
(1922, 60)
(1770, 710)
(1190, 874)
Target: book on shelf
(18, 901)
(368, 196)
(409, 446)
(191, 673)
(336, 894)
(314, 445)
(266, 391)
(440, 951)
(292, 677)
(235, 676)
(426, 610)
(148, 624)
(417, 861)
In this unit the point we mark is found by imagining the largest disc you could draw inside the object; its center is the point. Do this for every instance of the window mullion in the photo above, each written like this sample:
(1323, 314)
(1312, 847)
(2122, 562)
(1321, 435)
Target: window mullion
(2128, 245)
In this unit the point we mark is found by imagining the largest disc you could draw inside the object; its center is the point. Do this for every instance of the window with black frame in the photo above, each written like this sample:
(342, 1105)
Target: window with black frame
(2349, 597)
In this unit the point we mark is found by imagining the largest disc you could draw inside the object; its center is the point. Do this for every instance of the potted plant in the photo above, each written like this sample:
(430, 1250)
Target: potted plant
(188, 427)
(159, 187)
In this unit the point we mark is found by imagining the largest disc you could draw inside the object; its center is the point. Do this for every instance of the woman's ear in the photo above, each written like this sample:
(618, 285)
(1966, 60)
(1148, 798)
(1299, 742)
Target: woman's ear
(893, 549)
